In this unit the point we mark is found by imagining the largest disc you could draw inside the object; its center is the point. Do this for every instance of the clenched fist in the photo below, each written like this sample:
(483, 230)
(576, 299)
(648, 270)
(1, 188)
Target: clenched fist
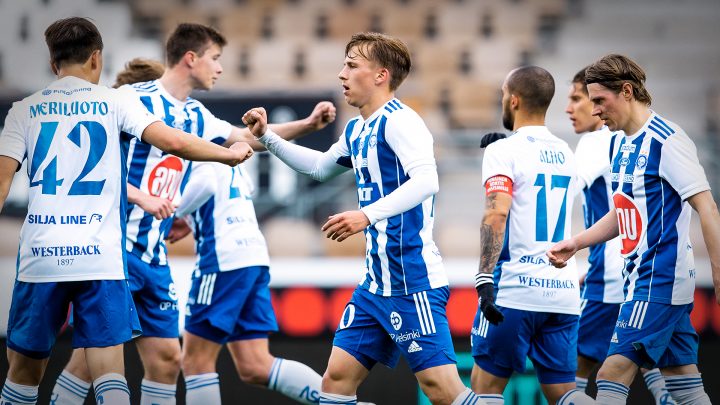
(256, 121)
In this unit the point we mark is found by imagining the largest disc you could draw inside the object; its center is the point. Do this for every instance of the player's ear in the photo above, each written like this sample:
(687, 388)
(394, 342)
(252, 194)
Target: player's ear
(627, 91)
(382, 75)
(189, 58)
(53, 67)
(96, 60)
(514, 101)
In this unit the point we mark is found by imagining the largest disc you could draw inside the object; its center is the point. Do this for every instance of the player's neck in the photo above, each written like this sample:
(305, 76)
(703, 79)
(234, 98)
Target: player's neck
(639, 114)
(523, 119)
(176, 83)
(376, 101)
(79, 71)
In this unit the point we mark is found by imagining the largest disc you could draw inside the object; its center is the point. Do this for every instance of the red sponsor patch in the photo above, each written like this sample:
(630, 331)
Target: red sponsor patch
(630, 223)
(165, 177)
(498, 184)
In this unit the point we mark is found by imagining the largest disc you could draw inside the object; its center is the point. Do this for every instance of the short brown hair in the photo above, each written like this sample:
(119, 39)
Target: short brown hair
(139, 70)
(390, 53)
(579, 78)
(534, 85)
(72, 40)
(191, 37)
(613, 71)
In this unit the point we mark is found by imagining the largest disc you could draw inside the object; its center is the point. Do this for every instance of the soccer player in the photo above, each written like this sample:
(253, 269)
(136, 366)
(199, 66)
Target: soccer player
(139, 70)
(602, 292)
(399, 305)
(193, 53)
(656, 180)
(529, 181)
(71, 244)
(229, 302)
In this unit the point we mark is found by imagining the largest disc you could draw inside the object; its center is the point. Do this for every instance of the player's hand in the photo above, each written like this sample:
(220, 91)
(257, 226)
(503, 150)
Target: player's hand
(323, 114)
(241, 151)
(561, 252)
(256, 121)
(158, 207)
(491, 137)
(345, 224)
(486, 301)
(179, 230)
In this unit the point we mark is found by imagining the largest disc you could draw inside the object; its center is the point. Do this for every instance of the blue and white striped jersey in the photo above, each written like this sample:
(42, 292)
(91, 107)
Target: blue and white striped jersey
(604, 280)
(159, 174)
(654, 172)
(70, 133)
(226, 230)
(543, 172)
(401, 256)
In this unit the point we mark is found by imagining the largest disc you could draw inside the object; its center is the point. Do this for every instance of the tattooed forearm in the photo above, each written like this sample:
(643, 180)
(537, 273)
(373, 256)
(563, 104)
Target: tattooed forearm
(491, 243)
(491, 201)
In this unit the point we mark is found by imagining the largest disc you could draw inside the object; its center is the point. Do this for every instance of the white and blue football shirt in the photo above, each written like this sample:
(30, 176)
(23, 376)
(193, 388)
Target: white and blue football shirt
(654, 172)
(70, 132)
(225, 227)
(401, 256)
(542, 169)
(604, 280)
(159, 174)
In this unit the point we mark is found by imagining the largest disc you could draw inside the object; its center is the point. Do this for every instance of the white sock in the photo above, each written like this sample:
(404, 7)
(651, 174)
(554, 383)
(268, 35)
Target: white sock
(492, 399)
(69, 390)
(581, 383)
(655, 383)
(111, 389)
(687, 389)
(576, 397)
(16, 394)
(202, 389)
(611, 393)
(155, 393)
(326, 398)
(295, 380)
(467, 397)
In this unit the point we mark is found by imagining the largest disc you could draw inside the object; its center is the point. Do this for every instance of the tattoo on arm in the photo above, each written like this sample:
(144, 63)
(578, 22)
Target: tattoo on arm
(491, 240)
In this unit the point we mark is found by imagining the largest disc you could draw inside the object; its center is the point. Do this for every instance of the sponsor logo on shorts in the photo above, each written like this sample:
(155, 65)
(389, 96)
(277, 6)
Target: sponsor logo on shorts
(167, 305)
(395, 320)
(405, 336)
(414, 347)
(614, 338)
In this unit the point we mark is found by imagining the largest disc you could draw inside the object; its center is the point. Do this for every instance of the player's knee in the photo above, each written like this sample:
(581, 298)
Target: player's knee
(165, 362)
(252, 373)
(436, 393)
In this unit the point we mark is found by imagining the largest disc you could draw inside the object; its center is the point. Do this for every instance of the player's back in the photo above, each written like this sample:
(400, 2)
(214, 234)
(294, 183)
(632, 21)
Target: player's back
(74, 226)
(542, 169)
(226, 228)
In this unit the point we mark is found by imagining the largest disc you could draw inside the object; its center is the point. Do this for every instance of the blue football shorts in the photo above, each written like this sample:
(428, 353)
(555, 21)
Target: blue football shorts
(103, 315)
(374, 328)
(655, 335)
(153, 291)
(548, 339)
(233, 305)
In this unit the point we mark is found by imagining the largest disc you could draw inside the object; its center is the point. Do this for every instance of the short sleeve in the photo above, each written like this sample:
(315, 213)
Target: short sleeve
(410, 139)
(13, 138)
(679, 165)
(215, 130)
(131, 113)
(497, 162)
